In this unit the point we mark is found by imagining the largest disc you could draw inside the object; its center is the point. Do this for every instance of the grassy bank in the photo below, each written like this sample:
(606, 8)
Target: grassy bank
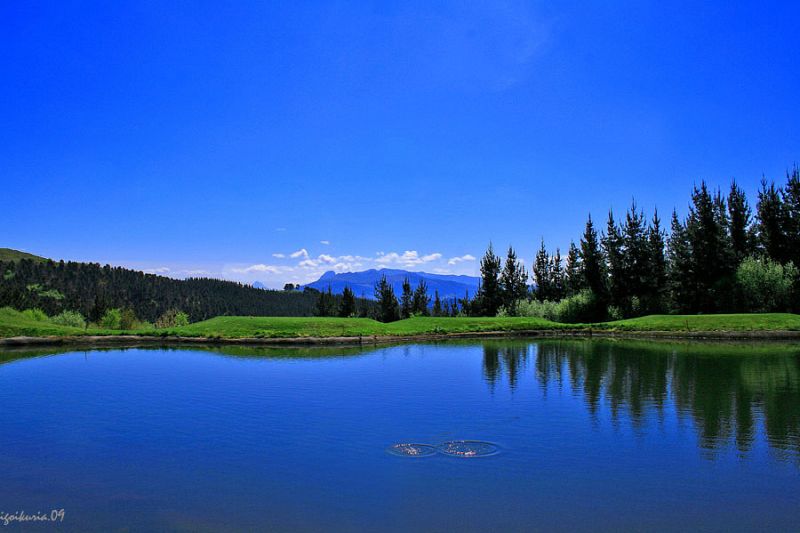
(707, 323)
(15, 324)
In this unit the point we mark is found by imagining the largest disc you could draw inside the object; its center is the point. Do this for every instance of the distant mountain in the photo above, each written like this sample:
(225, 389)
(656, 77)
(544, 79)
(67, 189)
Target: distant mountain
(363, 283)
(259, 285)
(8, 254)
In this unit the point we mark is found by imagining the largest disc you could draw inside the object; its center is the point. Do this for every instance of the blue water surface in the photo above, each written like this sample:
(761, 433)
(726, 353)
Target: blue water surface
(592, 435)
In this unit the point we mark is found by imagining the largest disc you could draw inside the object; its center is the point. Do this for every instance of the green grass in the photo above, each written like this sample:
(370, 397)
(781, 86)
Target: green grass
(734, 322)
(8, 254)
(14, 323)
(285, 327)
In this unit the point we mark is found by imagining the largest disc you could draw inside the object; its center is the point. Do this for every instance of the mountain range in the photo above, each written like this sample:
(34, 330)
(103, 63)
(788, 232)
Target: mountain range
(363, 283)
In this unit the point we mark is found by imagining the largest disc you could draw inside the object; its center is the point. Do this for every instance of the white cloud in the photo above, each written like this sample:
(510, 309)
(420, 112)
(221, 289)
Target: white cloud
(326, 243)
(159, 270)
(346, 267)
(300, 266)
(261, 267)
(461, 259)
(409, 258)
(353, 258)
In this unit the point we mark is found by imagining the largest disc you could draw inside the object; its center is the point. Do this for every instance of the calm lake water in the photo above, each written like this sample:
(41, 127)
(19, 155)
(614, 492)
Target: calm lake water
(591, 435)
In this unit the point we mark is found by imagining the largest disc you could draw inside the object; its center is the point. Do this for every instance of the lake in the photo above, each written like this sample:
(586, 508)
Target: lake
(583, 435)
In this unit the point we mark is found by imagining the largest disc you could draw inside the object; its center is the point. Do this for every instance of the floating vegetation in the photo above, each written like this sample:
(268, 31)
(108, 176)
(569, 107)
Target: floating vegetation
(412, 450)
(468, 448)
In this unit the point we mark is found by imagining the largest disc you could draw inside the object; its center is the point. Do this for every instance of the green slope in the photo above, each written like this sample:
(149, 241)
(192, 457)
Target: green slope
(8, 254)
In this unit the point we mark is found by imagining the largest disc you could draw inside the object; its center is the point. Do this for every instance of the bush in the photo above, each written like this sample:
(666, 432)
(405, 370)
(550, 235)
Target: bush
(172, 318)
(534, 308)
(35, 314)
(69, 318)
(764, 286)
(127, 319)
(581, 307)
(111, 319)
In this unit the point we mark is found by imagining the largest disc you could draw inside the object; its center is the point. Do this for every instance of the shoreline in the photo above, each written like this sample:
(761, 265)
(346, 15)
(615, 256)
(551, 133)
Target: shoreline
(116, 340)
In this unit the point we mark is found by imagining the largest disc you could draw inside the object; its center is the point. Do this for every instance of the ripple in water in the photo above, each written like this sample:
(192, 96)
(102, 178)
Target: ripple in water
(412, 450)
(468, 448)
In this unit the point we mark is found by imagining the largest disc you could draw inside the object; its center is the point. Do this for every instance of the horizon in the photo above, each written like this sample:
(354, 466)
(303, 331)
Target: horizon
(272, 143)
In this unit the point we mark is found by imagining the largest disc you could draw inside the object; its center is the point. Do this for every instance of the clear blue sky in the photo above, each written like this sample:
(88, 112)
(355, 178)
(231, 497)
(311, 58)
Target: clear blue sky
(200, 137)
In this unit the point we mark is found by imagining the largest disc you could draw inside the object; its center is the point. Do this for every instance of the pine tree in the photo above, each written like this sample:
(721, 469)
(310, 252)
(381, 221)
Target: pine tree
(635, 260)
(470, 306)
(363, 307)
(556, 277)
(573, 274)
(489, 299)
(771, 222)
(791, 202)
(325, 303)
(740, 224)
(711, 255)
(513, 282)
(388, 308)
(679, 266)
(406, 300)
(593, 263)
(347, 306)
(655, 289)
(541, 274)
(612, 245)
(437, 304)
(421, 299)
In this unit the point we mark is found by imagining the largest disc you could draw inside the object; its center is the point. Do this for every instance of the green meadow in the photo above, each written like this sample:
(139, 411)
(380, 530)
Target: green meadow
(16, 324)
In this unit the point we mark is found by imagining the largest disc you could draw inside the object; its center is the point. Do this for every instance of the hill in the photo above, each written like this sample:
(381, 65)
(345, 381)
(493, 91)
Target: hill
(91, 289)
(8, 254)
(363, 283)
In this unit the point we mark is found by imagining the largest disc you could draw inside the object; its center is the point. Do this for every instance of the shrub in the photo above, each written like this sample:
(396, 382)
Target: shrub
(127, 319)
(69, 318)
(534, 308)
(111, 319)
(35, 314)
(172, 318)
(764, 285)
(581, 307)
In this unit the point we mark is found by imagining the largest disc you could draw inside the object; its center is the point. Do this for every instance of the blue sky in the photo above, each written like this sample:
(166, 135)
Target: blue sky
(273, 141)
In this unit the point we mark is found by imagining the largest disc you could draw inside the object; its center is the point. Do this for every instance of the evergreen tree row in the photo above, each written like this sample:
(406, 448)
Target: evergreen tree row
(412, 302)
(721, 257)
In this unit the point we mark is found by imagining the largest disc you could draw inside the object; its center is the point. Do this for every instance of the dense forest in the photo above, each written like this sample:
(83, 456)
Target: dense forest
(92, 290)
(722, 257)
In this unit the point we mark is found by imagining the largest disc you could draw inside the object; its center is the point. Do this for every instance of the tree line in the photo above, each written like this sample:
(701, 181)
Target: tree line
(92, 290)
(723, 256)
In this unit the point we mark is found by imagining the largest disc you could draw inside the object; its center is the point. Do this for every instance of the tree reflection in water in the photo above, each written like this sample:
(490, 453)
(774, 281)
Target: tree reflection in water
(728, 392)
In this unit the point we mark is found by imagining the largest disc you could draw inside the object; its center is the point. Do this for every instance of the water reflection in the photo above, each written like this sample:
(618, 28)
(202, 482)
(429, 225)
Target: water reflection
(727, 392)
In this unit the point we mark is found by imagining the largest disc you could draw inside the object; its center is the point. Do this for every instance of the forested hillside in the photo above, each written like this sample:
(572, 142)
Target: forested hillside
(91, 289)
